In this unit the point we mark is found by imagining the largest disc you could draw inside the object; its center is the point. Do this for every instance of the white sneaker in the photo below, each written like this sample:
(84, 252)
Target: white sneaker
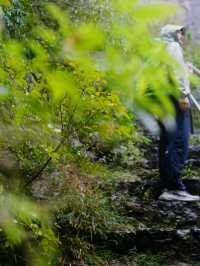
(186, 194)
(178, 195)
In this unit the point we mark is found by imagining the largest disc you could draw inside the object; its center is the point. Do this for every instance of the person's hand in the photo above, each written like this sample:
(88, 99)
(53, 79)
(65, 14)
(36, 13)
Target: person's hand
(193, 69)
(184, 104)
(190, 67)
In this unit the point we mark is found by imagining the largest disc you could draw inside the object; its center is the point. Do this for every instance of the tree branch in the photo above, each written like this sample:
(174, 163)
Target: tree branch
(39, 173)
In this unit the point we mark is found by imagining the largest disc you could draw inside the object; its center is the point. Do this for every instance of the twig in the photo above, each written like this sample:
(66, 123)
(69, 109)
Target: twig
(39, 173)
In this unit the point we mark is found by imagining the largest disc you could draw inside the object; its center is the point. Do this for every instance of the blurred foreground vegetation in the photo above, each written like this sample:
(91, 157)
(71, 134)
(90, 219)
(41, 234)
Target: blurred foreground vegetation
(74, 78)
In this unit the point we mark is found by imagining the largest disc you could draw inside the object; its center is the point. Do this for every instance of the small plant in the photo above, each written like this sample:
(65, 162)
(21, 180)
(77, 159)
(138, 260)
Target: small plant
(150, 260)
(26, 230)
(189, 172)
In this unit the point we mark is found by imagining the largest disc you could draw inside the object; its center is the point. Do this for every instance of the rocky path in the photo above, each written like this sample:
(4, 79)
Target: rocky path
(161, 226)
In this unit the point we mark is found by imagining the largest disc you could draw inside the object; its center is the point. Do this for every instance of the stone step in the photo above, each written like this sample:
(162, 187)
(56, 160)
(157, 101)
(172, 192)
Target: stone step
(183, 242)
(194, 152)
(174, 214)
(152, 187)
(142, 203)
(194, 163)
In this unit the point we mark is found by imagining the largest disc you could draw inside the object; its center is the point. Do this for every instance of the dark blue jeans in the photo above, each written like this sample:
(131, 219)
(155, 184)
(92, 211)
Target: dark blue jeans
(173, 151)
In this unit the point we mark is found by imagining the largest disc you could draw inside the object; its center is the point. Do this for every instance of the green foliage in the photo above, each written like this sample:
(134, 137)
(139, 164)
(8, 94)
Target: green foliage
(77, 44)
(78, 79)
(150, 260)
(71, 75)
(88, 214)
(100, 257)
(194, 55)
(24, 224)
(189, 172)
(85, 216)
(105, 257)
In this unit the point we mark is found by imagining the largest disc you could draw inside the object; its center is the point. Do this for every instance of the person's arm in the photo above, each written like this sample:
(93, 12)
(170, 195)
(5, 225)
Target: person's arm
(181, 72)
(181, 69)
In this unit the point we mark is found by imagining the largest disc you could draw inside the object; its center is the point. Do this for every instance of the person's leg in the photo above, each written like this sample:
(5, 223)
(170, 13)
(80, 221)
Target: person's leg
(173, 151)
(165, 155)
(180, 151)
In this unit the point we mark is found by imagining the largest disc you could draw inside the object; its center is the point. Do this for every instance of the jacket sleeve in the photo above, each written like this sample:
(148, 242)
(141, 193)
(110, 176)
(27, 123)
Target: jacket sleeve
(181, 69)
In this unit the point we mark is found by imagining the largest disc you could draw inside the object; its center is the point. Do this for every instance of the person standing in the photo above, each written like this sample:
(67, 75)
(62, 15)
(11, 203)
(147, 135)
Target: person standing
(173, 147)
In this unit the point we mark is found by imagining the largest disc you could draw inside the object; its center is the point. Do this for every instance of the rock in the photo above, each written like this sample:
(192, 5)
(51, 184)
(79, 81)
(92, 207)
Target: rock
(154, 239)
(10, 171)
(183, 234)
(172, 226)
(121, 240)
(194, 152)
(157, 240)
(141, 189)
(194, 163)
(193, 185)
(163, 213)
(167, 225)
(8, 163)
(182, 264)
